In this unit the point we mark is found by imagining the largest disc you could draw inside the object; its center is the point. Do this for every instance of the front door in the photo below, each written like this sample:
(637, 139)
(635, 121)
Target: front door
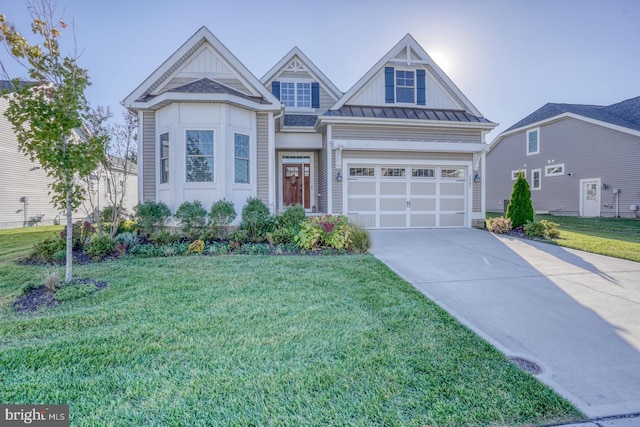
(296, 185)
(590, 197)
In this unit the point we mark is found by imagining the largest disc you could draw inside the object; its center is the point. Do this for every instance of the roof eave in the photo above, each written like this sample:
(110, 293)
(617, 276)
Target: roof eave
(166, 98)
(405, 122)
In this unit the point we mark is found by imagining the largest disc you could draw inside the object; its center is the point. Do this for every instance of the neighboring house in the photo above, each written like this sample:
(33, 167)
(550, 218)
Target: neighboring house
(401, 148)
(579, 160)
(24, 185)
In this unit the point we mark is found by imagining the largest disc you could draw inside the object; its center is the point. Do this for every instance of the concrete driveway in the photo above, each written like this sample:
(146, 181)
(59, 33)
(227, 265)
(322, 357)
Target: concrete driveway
(575, 314)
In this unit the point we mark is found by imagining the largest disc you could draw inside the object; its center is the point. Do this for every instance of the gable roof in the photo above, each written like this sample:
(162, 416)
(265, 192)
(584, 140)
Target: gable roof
(417, 55)
(169, 67)
(320, 76)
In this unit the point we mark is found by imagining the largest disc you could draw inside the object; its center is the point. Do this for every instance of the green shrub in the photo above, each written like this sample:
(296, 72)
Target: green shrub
(520, 208)
(218, 248)
(359, 239)
(221, 215)
(324, 231)
(101, 246)
(500, 225)
(255, 249)
(127, 226)
(196, 247)
(292, 217)
(256, 219)
(543, 229)
(146, 251)
(52, 280)
(48, 248)
(282, 235)
(128, 239)
(107, 214)
(71, 292)
(151, 216)
(164, 237)
(287, 248)
(192, 217)
(81, 232)
(239, 236)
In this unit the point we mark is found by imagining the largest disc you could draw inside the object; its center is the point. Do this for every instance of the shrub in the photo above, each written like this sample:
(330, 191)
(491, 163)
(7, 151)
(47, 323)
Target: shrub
(544, 229)
(101, 246)
(239, 236)
(128, 239)
(145, 251)
(107, 214)
(255, 249)
(81, 231)
(292, 217)
(520, 209)
(324, 231)
(52, 280)
(359, 239)
(72, 292)
(282, 235)
(222, 214)
(196, 247)
(48, 248)
(126, 225)
(500, 225)
(164, 237)
(151, 216)
(193, 218)
(218, 248)
(256, 219)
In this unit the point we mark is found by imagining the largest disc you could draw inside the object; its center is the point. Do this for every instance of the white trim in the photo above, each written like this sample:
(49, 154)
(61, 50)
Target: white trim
(530, 131)
(559, 165)
(598, 194)
(533, 181)
(310, 155)
(329, 194)
(515, 173)
(140, 153)
(271, 164)
(409, 146)
(165, 98)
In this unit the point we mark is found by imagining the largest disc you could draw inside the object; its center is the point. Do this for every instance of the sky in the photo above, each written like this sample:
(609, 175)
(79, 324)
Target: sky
(509, 57)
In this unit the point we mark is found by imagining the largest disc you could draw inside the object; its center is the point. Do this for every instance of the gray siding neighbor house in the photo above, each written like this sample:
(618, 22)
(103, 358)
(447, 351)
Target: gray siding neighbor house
(580, 160)
(402, 148)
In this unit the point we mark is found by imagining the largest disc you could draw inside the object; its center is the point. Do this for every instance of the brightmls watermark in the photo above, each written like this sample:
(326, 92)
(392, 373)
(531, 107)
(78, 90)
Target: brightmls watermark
(34, 415)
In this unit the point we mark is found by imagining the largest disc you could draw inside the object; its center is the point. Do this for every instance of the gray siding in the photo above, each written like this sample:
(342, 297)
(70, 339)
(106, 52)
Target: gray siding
(587, 151)
(149, 156)
(477, 192)
(405, 133)
(262, 163)
(336, 186)
(321, 189)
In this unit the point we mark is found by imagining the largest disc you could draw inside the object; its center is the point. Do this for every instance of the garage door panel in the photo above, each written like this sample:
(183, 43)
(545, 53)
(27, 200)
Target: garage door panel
(366, 221)
(451, 204)
(393, 220)
(390, 204)
(423, 188)
(452, 220)
(423, 204)
(393, 188)
(362, 188)
(452, 188)
(422, 220)
(362, 204)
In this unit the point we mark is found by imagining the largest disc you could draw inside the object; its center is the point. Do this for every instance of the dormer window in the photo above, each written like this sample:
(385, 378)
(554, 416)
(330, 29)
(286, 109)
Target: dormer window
(305, 95)
(405, 86)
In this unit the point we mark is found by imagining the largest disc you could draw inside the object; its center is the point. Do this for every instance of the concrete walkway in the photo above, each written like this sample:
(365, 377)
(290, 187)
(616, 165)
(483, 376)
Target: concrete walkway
(575, 314)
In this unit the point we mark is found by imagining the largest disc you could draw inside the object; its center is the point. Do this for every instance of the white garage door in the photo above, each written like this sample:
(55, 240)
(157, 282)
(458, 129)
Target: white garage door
(400, 196)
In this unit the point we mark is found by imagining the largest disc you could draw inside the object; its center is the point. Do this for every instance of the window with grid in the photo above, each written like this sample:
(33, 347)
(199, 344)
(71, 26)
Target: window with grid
(199, 149)
(533, 141)
(288, 94)
(164, 158)
(405, 86)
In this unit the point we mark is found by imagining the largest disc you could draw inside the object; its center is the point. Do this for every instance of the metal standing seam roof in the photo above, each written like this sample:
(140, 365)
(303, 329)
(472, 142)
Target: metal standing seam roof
(625, 113)
(405, 113)
(300, 120)
(206, 85)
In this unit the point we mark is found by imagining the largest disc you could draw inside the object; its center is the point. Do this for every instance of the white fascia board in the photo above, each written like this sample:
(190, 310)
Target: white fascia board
(430, 146)
(170, 97)
(372, 121)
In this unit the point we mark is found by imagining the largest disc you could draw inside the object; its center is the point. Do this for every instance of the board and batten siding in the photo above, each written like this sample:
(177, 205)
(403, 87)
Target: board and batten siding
(406, 134)
(149, 156)
(262, 162)
(587, 151)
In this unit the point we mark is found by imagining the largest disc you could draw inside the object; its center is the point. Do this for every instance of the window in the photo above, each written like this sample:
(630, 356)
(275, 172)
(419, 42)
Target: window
(554, 170)
(405, 86)
(362, 172)
(533, 141)
(514, 174)
(199, 156)
(297, 95)
(241, 166)
(394, 172)
(423, 173)
(452, 173)
(303, 95)
(536, 176)
(164, 158)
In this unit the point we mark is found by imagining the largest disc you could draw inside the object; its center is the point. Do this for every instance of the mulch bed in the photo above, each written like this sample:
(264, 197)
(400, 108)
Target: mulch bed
(41, 297)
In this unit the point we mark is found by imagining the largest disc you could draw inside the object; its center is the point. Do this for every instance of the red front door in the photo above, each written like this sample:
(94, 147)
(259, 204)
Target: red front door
(296, 185)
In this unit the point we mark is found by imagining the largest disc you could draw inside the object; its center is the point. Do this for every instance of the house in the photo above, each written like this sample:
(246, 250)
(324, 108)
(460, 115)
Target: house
(579, 160)
(403, 147)
(24, 187)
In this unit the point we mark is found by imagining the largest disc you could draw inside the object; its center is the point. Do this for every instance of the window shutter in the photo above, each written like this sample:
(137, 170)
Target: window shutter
(275, 89)
(420, 85)
(389, 85)
(315, 95)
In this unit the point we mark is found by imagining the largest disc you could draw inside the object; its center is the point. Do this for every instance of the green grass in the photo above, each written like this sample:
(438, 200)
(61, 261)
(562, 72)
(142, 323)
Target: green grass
(18, 242)
(251, 340)
(616, 237)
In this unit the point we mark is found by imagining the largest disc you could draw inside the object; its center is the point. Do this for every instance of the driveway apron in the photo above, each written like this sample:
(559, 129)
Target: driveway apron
(574, 314)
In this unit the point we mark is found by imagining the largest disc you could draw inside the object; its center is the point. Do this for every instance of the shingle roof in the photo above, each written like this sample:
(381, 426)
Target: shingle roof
(206, 85)
(300, 120)
(405, 113)
(625, 113)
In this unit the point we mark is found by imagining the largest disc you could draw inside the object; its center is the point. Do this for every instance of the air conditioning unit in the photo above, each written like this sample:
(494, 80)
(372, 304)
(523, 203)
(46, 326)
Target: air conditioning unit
(633, 208)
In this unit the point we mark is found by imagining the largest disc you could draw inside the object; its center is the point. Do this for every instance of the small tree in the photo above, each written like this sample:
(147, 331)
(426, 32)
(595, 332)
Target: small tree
(520, 209)
(46, 116)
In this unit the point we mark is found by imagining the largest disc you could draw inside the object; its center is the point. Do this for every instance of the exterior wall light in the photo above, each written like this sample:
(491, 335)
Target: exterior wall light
(476, 177)
(339, 176)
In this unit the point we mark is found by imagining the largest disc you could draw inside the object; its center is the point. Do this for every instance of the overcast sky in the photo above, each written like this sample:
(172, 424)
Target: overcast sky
(509, 57)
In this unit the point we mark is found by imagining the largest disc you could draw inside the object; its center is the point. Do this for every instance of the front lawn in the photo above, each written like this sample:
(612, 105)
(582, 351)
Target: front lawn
(251, 340)
(616, 237)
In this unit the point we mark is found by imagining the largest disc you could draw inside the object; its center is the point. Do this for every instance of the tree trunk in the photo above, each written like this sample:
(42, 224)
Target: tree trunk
(69, 267)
